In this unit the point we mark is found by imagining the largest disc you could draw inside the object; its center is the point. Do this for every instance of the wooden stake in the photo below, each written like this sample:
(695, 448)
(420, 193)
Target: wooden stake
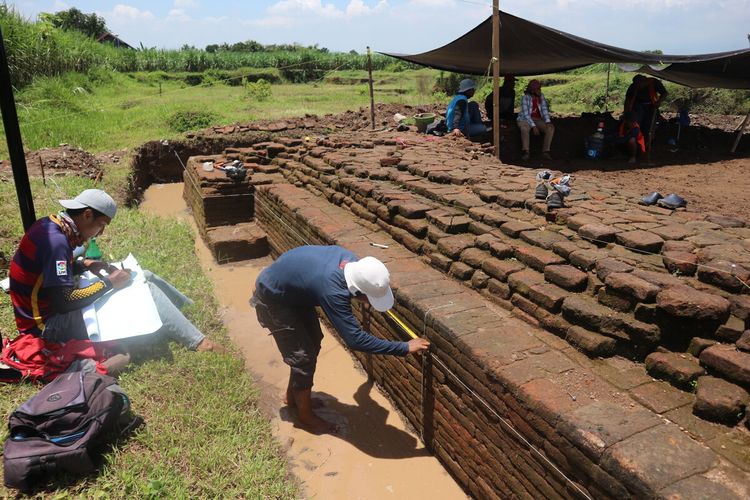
(372, 89)
(740, 131)
(41, 166)
(651, 135)
(496, 76)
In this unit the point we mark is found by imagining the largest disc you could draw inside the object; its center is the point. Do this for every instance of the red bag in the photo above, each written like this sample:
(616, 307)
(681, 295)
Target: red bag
(36, 359)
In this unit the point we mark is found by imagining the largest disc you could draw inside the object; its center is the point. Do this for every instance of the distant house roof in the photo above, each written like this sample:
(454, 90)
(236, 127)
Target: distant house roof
(114, 40)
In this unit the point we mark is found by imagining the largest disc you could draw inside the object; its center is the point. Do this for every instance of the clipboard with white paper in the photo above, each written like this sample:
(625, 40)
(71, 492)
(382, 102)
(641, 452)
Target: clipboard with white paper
(124, 313)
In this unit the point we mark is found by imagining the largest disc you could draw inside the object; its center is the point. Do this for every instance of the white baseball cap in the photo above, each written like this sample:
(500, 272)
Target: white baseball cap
(93, 198)
(371, 277)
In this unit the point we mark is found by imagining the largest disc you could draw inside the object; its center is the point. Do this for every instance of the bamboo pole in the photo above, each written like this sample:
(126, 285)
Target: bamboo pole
(606, 93)
(496, 76)
(372, 89)
(15, 144)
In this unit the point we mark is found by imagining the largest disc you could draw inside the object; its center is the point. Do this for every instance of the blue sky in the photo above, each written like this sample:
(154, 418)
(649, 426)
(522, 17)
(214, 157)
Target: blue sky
(409, 26)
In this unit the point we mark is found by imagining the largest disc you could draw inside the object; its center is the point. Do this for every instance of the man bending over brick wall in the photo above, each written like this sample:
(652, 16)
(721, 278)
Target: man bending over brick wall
(285, 297)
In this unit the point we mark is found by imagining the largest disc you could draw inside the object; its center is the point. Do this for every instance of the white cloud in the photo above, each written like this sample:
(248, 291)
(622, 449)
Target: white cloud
(130, 12)
(653, 5)
(432, 3)
(315, 7)
(272, 22)
(58, 6)
(178, 15)
(185, 4)
(359, 8)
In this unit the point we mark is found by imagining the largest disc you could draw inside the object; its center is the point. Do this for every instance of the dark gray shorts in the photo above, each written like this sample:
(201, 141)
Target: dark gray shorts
(297, 333)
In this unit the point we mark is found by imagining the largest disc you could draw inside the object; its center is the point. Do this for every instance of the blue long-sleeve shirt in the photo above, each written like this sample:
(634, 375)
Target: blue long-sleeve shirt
(310, 276)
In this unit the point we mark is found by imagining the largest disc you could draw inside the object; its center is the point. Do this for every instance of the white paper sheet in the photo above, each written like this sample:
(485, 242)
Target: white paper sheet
(119, 314)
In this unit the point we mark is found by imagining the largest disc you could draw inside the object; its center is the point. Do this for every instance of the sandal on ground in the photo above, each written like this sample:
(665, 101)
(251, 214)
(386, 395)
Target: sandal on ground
(672, 201)
(650, 199)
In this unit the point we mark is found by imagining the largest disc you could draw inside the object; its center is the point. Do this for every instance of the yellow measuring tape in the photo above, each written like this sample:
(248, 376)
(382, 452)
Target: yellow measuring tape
(402, 325)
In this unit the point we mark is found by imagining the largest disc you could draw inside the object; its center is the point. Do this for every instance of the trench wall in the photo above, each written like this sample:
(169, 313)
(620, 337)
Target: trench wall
(496, 400)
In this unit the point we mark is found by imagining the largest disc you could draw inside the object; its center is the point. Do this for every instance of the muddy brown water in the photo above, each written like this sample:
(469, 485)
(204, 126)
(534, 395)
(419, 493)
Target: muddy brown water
(374, 455)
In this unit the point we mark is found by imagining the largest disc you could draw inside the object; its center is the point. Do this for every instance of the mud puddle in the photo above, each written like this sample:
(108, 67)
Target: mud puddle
(373, 455)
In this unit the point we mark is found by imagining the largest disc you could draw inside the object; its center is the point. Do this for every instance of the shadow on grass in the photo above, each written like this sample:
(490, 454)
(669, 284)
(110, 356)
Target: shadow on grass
(148, 348)
(363, 425)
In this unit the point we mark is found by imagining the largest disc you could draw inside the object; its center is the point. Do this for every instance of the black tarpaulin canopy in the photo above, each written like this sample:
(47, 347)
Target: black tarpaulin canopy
(528, 48)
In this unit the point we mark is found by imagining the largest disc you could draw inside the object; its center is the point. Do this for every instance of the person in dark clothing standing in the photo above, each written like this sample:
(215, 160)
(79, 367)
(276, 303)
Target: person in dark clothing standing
(643, 97)
(507, 100)
(286, 294)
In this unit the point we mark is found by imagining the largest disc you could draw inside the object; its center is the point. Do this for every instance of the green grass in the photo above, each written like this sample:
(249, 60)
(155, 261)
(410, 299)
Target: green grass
(109, 111)
(204, 437)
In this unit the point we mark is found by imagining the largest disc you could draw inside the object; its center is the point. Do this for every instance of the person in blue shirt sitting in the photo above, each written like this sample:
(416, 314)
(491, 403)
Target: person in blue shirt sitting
(285, 297)
(463, 117)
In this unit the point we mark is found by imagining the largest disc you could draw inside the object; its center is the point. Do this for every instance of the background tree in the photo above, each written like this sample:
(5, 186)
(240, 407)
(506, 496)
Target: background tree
(73, 19)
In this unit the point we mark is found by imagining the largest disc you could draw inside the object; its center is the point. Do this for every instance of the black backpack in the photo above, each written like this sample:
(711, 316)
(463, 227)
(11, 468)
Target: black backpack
(65, 427)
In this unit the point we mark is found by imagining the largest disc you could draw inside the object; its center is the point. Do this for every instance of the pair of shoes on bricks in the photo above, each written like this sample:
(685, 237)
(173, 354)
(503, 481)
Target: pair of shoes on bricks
(650, 199)
(541, 189)
(558, 188)
(672, 201)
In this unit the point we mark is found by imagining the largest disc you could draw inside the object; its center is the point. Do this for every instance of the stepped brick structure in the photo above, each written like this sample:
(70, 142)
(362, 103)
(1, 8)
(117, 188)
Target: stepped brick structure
(598, 350)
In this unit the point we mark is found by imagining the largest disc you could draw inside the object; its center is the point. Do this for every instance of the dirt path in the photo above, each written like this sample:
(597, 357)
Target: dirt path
(373, 456)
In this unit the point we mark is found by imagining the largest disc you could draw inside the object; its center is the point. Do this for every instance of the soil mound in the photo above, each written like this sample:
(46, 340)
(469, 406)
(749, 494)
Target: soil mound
(62, 160)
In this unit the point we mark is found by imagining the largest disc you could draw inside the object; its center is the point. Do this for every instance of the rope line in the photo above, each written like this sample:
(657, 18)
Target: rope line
(484, 402)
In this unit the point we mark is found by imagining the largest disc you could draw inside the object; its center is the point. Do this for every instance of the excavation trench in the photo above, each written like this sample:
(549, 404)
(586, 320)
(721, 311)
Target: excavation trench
(375, 454)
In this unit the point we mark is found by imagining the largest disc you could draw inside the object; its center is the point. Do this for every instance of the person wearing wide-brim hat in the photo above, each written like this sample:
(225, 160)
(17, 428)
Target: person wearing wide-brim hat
(463, 116)
(285, 297)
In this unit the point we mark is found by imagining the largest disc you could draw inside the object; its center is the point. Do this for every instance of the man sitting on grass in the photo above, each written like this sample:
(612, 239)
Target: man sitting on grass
(46, 301)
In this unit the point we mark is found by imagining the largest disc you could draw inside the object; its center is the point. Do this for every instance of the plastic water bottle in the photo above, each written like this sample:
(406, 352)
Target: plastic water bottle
(93, 251)
(596, 142)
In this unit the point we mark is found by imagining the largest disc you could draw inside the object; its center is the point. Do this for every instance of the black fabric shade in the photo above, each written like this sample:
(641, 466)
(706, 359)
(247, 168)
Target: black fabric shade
(528, 48)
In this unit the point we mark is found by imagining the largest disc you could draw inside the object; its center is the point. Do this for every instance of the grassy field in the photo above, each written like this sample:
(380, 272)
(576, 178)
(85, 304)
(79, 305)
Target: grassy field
(108, 111)
(204, 435)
